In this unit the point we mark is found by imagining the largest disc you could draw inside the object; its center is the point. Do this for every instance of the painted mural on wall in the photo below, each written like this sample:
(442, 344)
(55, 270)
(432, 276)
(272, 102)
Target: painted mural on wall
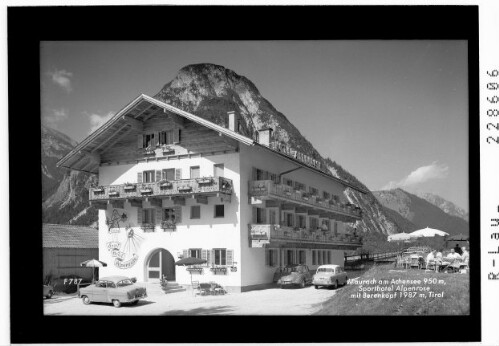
(124, 242)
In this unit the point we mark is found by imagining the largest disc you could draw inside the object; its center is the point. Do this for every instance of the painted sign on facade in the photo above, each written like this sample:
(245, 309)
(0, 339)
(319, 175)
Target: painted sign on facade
(124, 243)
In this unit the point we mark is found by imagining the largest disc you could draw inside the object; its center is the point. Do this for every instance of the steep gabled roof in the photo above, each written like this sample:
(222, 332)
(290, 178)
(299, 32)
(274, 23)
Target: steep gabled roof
(70, 236)
(83, 156)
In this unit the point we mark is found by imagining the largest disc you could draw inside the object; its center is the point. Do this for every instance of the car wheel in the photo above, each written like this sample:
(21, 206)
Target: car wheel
(50, 294)
(116, 303)
(316, 287)
(85, 300)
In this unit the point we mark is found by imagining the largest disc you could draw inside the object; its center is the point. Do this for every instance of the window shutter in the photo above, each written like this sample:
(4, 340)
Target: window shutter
(204, 255)
(158, 175)
(209, 257)
(267, 255)
(139, 177)
(178, 214)
(253, 173)
(274, 258)
(230, 257)
(254, 215)
(297, 221)
(178, 174)
(140, 141)
(176, 136)
(186, 253)
(159, 215)
(139, 216)
(264, 215)
(163, 174)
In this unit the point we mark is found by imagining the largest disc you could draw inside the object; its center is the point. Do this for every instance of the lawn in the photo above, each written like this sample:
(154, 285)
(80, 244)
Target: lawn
(382, 290)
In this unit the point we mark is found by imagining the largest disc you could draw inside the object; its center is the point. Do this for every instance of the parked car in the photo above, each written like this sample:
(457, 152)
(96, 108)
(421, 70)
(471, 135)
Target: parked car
(48, 291)
(330, 275)
(113, 289)
(293, 275)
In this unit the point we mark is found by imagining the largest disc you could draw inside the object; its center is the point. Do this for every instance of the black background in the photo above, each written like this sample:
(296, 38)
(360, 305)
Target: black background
(29, 25)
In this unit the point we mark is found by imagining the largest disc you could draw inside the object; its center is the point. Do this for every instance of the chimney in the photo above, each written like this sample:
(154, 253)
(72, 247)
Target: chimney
(233, 121)
(265, 136)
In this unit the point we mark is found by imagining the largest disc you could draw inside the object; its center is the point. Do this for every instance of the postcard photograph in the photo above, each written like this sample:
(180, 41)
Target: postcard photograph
(318, 177)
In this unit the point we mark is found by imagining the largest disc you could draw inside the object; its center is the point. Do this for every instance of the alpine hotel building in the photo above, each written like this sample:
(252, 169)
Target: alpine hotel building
(174, 185)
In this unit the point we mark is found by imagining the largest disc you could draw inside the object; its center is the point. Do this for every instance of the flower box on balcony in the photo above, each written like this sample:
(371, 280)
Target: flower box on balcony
(165, 184)
(129, 187)
(207, 180)
(168, 226)
(185, 188)
(217, 270)
(98, 189)
(148, 227)
(145, 190)
(149, 151)
(195, 270)
(114, 193)
(167, 150)
(305, 196)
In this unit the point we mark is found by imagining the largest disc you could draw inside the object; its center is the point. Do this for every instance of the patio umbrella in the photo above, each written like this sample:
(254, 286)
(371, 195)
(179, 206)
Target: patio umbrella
(93, 263)
(188, 261)
(428, 232)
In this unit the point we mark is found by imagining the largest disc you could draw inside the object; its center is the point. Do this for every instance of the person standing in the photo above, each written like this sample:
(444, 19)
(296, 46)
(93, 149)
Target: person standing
(458, 250)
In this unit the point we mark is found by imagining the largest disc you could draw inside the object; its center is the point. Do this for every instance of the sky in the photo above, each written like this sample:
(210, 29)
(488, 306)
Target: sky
(392, 113)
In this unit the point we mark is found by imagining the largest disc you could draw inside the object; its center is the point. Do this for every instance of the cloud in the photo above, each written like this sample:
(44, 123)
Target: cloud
(62, 78)
(97, 120)
(420, 175)
(54, 118)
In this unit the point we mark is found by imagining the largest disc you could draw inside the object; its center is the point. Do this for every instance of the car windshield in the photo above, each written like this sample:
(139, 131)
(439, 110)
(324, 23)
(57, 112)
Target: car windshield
(126, 282)
(297, 269)
(325, 270)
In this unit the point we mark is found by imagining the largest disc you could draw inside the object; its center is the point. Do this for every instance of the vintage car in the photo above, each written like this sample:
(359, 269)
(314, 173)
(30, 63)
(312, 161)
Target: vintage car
(113, 289)
(48, 291)
(293, 275)
(330, 275)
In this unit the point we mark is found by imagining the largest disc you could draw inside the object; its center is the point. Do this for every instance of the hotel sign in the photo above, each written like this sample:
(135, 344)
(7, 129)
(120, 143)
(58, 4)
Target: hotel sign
(287, 150)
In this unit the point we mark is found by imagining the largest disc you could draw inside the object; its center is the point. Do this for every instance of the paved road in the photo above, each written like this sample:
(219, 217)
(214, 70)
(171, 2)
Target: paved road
(272, 301)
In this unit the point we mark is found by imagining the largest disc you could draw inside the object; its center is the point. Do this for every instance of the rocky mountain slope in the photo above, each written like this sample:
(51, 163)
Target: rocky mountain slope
(64, 193)
(420, 212)
(209, 91)
(447, 206)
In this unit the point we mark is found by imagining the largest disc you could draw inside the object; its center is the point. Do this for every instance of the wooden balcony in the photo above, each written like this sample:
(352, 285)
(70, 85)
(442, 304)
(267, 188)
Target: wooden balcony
(200, 188)
(278, 236)
(261, 190)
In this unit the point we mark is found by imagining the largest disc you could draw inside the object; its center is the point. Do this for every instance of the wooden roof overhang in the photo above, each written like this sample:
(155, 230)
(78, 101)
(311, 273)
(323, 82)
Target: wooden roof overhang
(86, 155)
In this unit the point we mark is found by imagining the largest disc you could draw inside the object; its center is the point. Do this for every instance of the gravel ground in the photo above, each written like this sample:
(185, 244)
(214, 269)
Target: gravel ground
(272, 301)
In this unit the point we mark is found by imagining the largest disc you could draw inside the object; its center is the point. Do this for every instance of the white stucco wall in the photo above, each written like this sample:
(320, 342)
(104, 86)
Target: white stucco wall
(205, 233)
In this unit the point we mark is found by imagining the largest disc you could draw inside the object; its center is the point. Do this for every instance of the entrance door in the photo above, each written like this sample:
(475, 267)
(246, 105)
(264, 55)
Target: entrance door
(161, 263)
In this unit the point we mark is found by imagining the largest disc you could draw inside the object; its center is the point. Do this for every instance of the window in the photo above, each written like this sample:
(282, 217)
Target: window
(335, 228)
(287, 182)
(329, 257)
(289, 219)
(324, 258)
(319, 257)
(290, 257)
(168, 174)
(272, 217)
(148, 216)
(219, 210)
(325, 225)
(148, 140)
(194, 172)
(314, 257)
(166, 137)
(260, 175)
(299, 186)
(313, 191)
(260, 215)
(302, 257)
(218, 170)
(271, 257)
(326, 195)
(302, 221)
(195, 253)
(195, 212)
(220, 257)
(168, 214)
(314, 223)
(148, 176)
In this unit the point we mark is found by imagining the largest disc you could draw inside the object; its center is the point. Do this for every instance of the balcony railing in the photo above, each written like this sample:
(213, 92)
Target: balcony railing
(203, 186)
(269, 189)
(264, 234)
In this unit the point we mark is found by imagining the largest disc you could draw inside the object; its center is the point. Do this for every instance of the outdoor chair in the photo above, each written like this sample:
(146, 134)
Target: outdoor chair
(196, 289)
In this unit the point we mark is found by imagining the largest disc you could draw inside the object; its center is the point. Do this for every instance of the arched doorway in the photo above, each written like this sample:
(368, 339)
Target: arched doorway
(160, 263)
